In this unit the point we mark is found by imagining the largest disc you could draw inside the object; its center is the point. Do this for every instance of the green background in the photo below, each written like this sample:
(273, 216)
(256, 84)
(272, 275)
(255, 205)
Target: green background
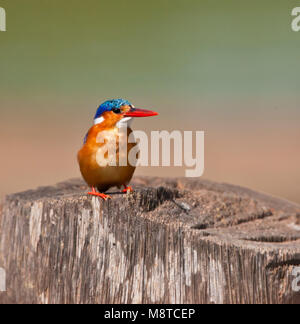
(230, 68)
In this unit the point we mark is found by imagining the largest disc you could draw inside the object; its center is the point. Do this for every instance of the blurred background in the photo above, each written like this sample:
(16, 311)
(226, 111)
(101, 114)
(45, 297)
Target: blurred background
(230, 68)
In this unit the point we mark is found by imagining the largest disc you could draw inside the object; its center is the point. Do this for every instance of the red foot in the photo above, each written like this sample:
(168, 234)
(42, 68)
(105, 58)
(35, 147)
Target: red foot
(97, 194)
(127, 189)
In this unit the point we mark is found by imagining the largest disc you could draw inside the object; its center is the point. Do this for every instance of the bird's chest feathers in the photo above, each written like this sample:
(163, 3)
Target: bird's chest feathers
(111, 145)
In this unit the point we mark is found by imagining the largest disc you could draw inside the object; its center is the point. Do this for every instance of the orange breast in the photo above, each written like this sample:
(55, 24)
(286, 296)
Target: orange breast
(93, 170)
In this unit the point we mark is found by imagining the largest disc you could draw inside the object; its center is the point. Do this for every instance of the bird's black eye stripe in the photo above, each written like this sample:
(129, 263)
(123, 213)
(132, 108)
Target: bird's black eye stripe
(116, 110)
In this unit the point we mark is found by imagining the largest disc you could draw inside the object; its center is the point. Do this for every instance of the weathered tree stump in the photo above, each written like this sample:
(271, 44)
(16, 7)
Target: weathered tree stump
(172, 241)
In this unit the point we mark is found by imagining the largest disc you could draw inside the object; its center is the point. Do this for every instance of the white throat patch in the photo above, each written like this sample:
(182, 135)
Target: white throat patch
(122, 123)
(125, 122)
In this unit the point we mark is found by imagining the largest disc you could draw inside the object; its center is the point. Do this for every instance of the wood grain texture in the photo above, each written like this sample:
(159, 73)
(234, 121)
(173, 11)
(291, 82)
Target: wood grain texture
(172, 241)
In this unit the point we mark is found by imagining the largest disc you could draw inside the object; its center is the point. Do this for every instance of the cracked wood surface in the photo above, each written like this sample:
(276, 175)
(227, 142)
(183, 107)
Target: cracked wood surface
(171, 241)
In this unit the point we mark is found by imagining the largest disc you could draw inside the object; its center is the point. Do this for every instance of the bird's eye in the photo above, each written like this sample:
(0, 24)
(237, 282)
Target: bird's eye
(116, 110)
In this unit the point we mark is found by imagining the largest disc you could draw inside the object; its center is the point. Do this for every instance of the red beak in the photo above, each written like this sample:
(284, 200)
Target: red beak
(135, 112)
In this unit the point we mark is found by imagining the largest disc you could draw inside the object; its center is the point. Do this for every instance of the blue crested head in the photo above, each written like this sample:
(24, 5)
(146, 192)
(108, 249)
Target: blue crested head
(115, 105)
(109, 105)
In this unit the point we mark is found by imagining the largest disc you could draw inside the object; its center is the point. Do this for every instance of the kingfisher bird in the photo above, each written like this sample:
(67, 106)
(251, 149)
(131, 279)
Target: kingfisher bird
(110, 117)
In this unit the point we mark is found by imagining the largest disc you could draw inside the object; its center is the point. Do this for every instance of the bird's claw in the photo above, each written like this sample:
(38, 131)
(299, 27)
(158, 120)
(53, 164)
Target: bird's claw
(101, 195)
(127, 189)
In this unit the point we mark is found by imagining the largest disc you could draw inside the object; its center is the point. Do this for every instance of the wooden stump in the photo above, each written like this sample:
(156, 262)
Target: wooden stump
(172, 241)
